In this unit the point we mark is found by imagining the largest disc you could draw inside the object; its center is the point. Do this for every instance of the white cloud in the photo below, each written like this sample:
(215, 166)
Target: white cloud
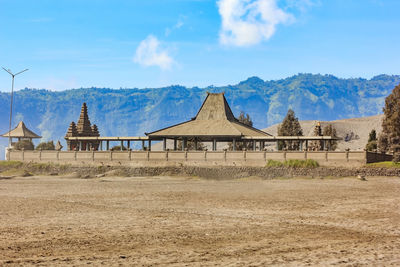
(249, 22)
(151, 53)
(177, 26)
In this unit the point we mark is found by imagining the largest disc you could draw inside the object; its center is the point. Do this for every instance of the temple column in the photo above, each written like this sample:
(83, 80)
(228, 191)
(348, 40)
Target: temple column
(184, 143)
(129, 145)
(101, 145)
(143, 145)
(122, 145)
(234, 144)
(301, 146)
(149, 145)
(164, 144)
(215, 145)
(306, 145)
(80, 146)
(254, 145)
(175, 144)
(108, 145)
(195, 144)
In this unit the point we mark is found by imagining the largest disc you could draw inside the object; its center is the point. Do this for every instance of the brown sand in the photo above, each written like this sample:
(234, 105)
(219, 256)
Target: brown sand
(191, 222)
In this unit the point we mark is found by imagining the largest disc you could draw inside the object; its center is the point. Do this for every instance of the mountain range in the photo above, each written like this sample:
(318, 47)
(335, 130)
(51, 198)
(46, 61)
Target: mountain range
(132, 112)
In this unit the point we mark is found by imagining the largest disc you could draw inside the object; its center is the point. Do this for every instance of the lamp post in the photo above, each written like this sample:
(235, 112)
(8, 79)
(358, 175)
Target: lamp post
(11, 104)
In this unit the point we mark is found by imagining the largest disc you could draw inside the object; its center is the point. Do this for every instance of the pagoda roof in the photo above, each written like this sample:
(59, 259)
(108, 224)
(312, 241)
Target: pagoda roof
(21, 131)
(215, 118)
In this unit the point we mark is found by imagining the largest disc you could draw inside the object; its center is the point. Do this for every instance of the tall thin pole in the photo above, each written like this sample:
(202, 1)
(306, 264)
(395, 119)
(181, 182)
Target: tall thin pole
(11, 102)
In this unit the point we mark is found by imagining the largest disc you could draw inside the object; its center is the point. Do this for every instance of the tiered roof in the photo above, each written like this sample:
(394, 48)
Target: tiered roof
(83, 127)
(72, 131)
(95, 130)
(214, 119)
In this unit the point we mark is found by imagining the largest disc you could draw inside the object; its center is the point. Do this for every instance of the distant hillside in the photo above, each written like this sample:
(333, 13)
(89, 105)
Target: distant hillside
(135, 111)
(356, 130)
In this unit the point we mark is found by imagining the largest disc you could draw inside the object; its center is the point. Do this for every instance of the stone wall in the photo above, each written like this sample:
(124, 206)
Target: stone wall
(195, 158)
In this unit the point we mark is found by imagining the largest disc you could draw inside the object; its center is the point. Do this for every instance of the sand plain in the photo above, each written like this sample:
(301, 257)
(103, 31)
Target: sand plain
(158, 221)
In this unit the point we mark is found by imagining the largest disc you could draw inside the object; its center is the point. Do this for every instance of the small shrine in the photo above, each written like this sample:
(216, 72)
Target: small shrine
(21, 132)
(82, 129)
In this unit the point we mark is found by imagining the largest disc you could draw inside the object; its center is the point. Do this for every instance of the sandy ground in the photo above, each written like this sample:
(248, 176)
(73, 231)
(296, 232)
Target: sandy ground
(191, 222)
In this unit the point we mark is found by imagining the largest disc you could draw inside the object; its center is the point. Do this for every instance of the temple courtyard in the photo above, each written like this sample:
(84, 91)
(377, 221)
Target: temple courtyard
(195, 222)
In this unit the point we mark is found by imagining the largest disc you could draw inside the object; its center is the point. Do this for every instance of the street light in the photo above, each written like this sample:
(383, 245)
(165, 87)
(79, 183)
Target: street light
(11, 104)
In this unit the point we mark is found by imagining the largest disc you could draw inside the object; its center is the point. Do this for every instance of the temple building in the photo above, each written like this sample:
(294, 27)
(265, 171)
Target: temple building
(21, 132)
(214, 123)
(82, 129)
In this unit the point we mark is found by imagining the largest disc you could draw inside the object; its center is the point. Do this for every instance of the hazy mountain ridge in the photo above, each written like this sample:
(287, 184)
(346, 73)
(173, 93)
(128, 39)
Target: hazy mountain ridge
(131, 112)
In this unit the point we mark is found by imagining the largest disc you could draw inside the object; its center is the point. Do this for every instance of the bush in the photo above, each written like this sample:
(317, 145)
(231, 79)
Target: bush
(46, 146)
(118, 148)
(10, 164)
(396, 157)
(293, 163)
(371, 146)
(384, 164)
(274, 163)
(24, 144)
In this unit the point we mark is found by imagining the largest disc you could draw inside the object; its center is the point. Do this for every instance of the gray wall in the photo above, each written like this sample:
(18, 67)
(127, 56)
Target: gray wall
(193, 158)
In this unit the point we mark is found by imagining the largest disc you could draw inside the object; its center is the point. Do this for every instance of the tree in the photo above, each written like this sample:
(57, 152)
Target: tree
(24, 144)
(317, 144)
(290, 126)
(372, 136)
(390, 135)
(245, 119)
(191, 145)
(330, 130)
(118, 148)
(46, 146)
(372, 144)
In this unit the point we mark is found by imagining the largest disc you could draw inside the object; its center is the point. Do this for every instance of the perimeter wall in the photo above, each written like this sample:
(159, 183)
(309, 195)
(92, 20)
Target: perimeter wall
(195, 158)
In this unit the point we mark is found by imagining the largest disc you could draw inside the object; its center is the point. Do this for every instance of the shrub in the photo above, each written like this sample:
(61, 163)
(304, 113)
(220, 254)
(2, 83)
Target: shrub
(10, 164)
(274, 163)
(293, 163)
(118, 148)
(46, 146)
(396, 157)
(371, 146)
(384, 164)
(24, 144)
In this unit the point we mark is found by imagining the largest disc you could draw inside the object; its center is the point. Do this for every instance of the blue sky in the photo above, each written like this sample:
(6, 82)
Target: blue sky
(152, 43)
